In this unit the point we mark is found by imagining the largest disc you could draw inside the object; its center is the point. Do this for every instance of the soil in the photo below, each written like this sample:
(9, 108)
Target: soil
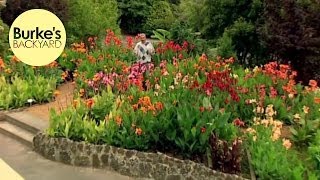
(59, 104)
(285, 132)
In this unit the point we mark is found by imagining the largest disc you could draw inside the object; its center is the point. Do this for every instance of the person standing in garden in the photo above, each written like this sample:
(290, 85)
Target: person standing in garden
(144, 50)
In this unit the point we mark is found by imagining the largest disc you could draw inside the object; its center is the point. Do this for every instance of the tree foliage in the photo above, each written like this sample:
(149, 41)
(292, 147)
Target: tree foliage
(134, 14)
(161, 17)
(91, 18)
(292, 33)
(192, 11)
(4, 41)
(15, 7)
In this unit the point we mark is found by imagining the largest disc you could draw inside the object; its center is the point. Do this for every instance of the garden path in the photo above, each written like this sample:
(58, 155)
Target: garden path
(60, 103)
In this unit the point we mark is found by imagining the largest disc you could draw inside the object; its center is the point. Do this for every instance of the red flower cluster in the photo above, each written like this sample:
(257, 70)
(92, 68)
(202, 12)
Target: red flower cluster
(222, 81)
(174, 47)
(112, 38)
(92, 42)
(130, 42)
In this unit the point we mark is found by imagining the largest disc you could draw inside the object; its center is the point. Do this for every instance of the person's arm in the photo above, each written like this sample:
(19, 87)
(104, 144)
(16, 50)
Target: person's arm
(151, 49)
(135, 51)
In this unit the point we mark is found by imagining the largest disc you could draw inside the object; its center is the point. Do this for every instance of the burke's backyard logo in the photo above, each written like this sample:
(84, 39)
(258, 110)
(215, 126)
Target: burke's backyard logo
(37, 37)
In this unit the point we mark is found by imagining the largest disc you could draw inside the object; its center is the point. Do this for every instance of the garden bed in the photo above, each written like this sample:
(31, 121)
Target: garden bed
(127, 162)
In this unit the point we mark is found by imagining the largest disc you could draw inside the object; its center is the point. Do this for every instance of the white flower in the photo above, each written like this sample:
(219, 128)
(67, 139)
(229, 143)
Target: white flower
(251, 101)
(31, 100)
(235, 76)
(297, 116)
(247, 71)
(256, 69)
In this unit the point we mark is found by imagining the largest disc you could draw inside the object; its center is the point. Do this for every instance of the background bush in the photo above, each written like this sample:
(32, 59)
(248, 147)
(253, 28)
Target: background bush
(161, 17)
(192, 12)
(91, 18)
(134, 14)
(4, 41)
(15, 7)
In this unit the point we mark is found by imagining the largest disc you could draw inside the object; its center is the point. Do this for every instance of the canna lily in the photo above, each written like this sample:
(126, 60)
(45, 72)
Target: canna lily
(159, 106)
(203, 130)
(306, 109)
(138, 131)
(82, 92)
(2, 64)
(286, 143)
(313, 83)
(238, 122)
(317, 100)
(118, 120)
(56, 93)
(90, 103)
(75, 103)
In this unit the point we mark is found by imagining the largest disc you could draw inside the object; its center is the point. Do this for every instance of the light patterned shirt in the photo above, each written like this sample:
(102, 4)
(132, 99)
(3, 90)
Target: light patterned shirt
(144, 52)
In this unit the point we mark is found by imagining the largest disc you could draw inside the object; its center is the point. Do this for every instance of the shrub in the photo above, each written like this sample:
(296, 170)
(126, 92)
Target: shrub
(4, 32)
(91, 18)
(314, 151)
(192, 11)
(271, 160)
(241, 40)
(134, 14)
(226, 47)
(161, 17)
(15, 7)
(181, 32)
(21, 91)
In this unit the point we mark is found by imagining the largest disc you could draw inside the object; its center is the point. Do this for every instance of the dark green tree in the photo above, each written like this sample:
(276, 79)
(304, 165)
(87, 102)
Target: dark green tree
(233, 25)
(91, 18)
(292, 34)
(134, 14)
(15, 7)
(161, 17)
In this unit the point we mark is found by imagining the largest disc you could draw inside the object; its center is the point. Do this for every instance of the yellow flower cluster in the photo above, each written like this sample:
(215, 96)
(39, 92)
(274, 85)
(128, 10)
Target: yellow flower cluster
(269, 121)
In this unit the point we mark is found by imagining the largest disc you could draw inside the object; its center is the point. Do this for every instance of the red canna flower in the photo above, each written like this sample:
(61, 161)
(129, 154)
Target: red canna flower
(203, 130)
(238, 122)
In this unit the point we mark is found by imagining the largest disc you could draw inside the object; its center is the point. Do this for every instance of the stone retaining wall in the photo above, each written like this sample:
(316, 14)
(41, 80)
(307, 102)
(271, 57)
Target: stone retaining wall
(126, 162)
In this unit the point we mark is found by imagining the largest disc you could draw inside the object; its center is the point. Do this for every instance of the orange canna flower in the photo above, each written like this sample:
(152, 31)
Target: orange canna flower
(313, 83)
(56, 93)
(118, 120)
(2, 65)
(90, 103)
(135, 106)
(75, 103)
(286, 143)
(15, 59)
(151, 108)
(145, 101)
(138, 131)
(317, 100)
(130, 98)
(159, 106)
(306, 109)
(81, 92)
(144, 110)
(202, 109)
(64, 75)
